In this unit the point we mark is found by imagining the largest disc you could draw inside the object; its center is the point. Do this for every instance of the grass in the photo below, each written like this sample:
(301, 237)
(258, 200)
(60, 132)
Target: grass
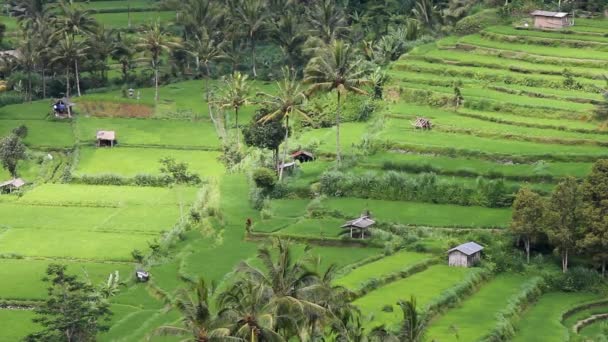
(542, 322)
(350, 134)
(122, 5)
(424, 286)
(100, 195)
(476, 316)
(132, 161)
(22, 278)
(121, 20)
(385, 266)
(507, 30)
(401, 132)
(415, 213)
(41, 133)
(20, 323)
(36, 110)
(482, 167)
(146, 132)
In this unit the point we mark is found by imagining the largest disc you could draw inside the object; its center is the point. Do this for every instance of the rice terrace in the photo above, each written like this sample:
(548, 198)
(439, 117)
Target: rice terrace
(303, 170)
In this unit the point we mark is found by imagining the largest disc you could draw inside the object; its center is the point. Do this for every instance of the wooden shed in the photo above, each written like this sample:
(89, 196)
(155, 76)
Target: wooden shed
(106, 139)
(551, 20)
(11, 185)
(287, 167)
(422, 123)
(466, 255)
(303, 156)
(359, 227)
(62, 108)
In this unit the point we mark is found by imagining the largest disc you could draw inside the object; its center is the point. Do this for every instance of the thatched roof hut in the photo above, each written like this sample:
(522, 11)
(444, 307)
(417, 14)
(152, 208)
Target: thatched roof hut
(11, 185)
(359, 226)
(422, 123)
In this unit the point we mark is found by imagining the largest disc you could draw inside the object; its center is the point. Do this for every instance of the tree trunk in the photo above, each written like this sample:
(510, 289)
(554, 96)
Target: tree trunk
(338, 154)
(285, 147)
(238, 132)
(155, 82)
(29, 86)
(77, 77)
(43, 84)
(603, 268)
(565, 261)
(527, 247)
(251, 41)
(67, 82)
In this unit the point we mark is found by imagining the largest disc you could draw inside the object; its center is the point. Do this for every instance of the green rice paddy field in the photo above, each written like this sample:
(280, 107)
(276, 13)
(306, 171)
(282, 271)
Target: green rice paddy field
(518, 121)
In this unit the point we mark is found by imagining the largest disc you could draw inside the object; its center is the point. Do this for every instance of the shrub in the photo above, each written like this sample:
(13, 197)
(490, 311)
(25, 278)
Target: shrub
(178, 171)
(577, 279)
(264, 178)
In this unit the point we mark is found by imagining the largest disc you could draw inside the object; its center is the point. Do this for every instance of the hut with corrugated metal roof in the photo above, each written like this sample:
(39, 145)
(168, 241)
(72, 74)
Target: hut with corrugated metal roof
(466, 255)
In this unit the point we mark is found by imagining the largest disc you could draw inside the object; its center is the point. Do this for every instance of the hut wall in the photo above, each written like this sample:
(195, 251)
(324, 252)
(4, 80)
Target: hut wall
(550, 22)
(458, 259)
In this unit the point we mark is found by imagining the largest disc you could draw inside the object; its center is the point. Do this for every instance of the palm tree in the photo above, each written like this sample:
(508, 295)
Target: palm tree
(154, 42)
(28, 12)
(198, 15)
(252, 15)
(26, 59)
(206, 50)
(198, 322)
(123, 53)
(288, 34)
(244, 312)
(327, 20)
(102, 42)
(287, 285)
(335, 67)
(288, 100)
(236, 95)
(68, 51)
(413, 327)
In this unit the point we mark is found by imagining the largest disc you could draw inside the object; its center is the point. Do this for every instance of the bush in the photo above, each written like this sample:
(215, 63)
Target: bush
(178, 172)
(577, 279)
(476, 22)
(264, 178)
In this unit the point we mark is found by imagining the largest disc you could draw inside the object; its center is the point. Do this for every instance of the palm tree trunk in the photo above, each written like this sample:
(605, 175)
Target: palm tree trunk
(77, 77)
(43, 84)
(527, 247)
(67, 82)
(565, 261)
(285, 148)
(338, 154)
(238, 133)
(155, 82)
(251, 41)
(29, 85)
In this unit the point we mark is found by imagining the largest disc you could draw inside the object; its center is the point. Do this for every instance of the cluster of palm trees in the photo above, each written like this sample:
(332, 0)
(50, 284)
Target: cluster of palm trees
(283, 299)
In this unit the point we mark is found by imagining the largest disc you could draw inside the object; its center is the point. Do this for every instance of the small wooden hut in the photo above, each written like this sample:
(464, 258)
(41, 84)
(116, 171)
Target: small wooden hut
(466, 255)
(11, 185)
(287, 167)
(106, 139)
(551, 20)
(422, 123)
(359, 227)
(62, 107)
(303, 156)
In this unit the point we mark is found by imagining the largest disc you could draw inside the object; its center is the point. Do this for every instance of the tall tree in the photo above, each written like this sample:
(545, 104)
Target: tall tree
(198, 322)
(595, 211)
(102, 43)
(265, 134)
(73, 311)
(252, 16)
(528, 217)
(327, 20)
(287, 32)
(124, 53)
(288, 101)
(338, 68)
(27, 58)
(68, 51)
(12, 150)
(236, 95)
(564, 218)
(155, 42)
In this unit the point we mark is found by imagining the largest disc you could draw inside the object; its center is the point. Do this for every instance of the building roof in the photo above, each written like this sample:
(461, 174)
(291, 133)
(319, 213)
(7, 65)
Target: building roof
(66, 101)
(538, 13)
(468, 248)
(361, 222)
(301, 152)
(106, 135)
(287, 165)
(17, 183)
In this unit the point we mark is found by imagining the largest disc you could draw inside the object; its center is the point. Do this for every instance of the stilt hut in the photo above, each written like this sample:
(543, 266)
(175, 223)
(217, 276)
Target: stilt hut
(62, 107)
(422, 123)
(11, 185)
(303, 156)
(466, 255)
(359, 227)
(106, 139)
(287, 167)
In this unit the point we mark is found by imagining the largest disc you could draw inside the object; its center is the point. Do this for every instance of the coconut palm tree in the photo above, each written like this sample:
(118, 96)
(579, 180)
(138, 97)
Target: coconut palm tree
(124, 53)
(286, 284)
(338, 68)
(252, 16)
(102, 42)
(288, 101)
(27, 59)
(236, 96)
(327, 20)
(198, 323)
(289, 35)
(414, 325)
(243, 311)
(68, 51)
(155, 42)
